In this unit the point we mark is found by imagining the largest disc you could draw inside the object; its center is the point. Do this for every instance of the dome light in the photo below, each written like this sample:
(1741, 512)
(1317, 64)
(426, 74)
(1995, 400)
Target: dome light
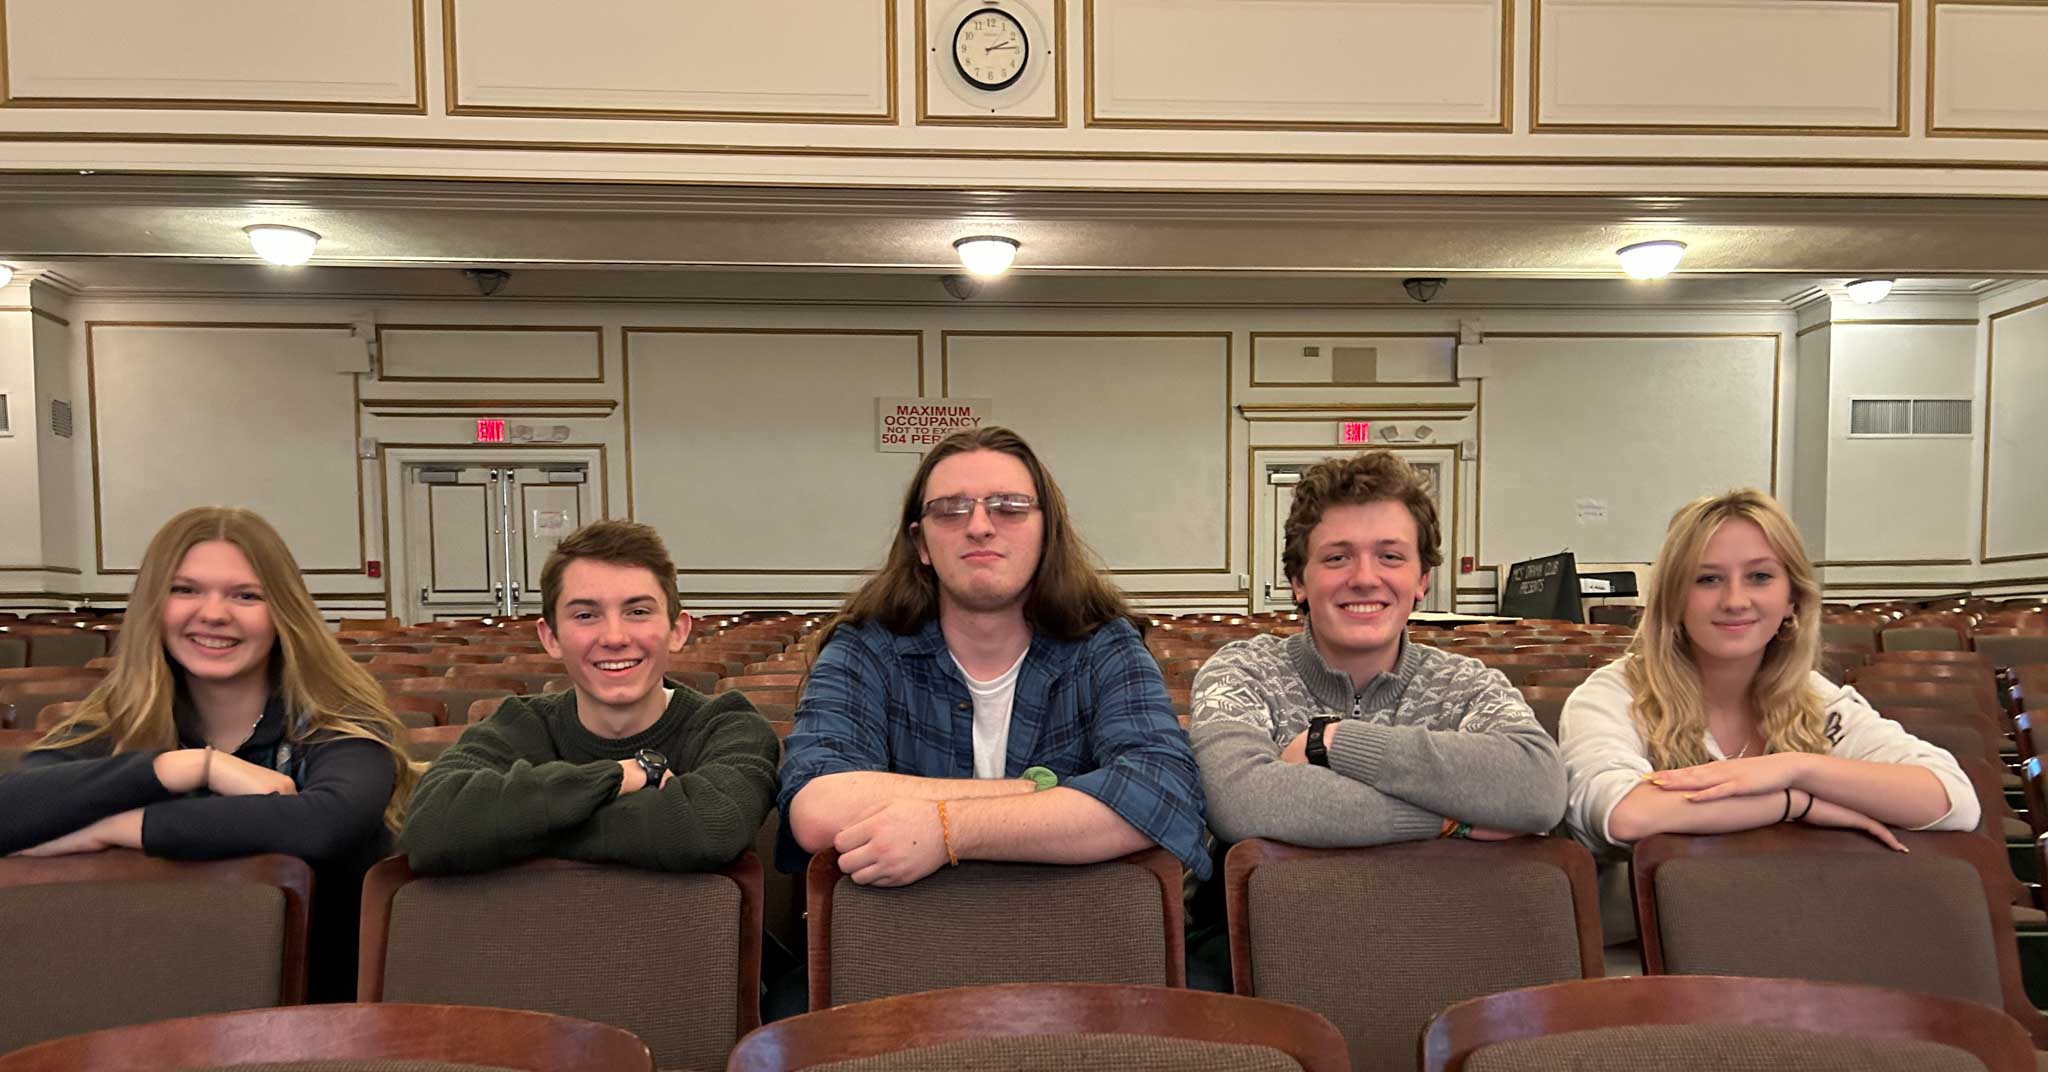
(987, 255)
(1869, 291)
(1651, 260)
(6, 275)
(283, 245)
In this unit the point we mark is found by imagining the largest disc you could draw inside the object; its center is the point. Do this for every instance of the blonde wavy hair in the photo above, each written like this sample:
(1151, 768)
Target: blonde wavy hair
(336, 697)
(1670, 710)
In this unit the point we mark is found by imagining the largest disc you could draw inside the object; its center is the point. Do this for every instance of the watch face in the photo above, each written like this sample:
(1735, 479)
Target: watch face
(990, 49)
(651, 758)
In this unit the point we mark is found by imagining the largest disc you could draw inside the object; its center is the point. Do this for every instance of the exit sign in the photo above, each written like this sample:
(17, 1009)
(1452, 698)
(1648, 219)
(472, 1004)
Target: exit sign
(1353, 432)
(490, 430)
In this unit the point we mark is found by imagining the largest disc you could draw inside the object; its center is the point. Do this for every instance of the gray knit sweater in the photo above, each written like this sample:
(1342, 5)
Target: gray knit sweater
(1441, 735)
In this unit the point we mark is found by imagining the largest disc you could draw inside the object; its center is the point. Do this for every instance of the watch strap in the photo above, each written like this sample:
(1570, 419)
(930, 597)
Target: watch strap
(1313, 745)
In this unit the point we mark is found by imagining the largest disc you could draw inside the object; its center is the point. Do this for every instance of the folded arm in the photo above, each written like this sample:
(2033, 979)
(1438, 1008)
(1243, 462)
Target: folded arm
(60, 791)
(484, 805)
(347, 783)
(699, 819)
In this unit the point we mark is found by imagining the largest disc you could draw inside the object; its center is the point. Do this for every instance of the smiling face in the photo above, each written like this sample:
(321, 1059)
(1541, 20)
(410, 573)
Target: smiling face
(1739, 596)
(613, 635)
(984, 563)
(1361, 579)
(217, 619)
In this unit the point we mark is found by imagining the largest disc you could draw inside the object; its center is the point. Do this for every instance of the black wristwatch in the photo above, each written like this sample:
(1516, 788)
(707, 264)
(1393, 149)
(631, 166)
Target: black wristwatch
(654, 764)
(1313, 745)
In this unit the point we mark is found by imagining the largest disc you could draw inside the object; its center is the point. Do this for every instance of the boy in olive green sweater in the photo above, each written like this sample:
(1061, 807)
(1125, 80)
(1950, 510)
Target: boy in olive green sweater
(621, 769)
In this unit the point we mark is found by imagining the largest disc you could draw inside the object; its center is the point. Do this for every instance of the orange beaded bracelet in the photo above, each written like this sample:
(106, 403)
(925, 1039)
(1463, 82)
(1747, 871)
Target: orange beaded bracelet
(946, 832)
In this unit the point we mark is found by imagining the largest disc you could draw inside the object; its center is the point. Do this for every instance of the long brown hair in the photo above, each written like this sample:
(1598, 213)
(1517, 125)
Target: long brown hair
(1068, 597)
(336, 696)
(1670, 709)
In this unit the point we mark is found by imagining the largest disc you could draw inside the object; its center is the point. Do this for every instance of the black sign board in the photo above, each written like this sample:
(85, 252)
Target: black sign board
(1543, 588)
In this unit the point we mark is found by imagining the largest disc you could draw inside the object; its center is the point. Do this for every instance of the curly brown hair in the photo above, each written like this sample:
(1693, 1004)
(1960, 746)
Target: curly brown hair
(1354, 480)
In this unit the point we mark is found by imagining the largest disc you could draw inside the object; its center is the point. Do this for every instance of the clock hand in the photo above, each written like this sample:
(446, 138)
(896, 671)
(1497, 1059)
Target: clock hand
(992, 48)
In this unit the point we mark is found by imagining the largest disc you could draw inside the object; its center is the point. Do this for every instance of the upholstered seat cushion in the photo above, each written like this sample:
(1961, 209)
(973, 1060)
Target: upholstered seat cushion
(1072, 1053)
(107, 954)
(1831, 917)
(1704, 1048)
(357, 1066)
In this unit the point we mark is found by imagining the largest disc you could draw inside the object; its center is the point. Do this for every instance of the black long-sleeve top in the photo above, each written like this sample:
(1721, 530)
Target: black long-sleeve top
(337, 813)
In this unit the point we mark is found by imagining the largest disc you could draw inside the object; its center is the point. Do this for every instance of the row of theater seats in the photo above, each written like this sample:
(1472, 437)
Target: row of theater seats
(1377, 941)
(1648, 1022)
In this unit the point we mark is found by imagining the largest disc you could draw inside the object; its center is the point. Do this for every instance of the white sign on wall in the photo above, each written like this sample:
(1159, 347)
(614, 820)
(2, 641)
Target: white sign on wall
(916, 425)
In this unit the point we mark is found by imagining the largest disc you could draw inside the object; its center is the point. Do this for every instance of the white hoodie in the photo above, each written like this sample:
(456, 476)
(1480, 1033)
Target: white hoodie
(1605, 757)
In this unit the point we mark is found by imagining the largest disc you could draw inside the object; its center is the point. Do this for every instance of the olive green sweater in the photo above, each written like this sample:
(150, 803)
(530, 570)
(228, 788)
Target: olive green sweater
(532, 781)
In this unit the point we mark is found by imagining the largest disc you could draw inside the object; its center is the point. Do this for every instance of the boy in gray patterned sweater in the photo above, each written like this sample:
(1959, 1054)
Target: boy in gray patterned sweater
(1347, 734)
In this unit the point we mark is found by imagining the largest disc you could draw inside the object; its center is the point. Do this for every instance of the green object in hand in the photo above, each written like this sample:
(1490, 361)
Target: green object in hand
(1042, 778)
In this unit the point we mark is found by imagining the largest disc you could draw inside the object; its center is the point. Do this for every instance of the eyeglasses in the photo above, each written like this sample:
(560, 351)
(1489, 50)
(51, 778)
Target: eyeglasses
(956, 509)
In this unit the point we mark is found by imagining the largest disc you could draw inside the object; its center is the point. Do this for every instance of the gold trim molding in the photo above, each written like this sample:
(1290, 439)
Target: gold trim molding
(1935, 130)
(1984, 554)
(418, 106)
(1059, 80)
(1504, 60)
(563, 329)
(99, 539)
(1901, 98)
(453, 98)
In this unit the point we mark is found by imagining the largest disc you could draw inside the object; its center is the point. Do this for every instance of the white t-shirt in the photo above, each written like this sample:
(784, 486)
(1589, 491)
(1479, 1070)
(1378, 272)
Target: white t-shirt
(992, 700)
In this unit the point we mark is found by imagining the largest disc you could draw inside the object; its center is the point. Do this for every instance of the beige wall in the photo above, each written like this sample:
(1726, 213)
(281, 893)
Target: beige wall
(1484, 95)
(746, 433)
(2015, 533)
(20, 520)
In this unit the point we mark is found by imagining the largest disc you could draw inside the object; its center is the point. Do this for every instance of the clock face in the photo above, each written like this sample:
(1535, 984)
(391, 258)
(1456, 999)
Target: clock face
(991, 49)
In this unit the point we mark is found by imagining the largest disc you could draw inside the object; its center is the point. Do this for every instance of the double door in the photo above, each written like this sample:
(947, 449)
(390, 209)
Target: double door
(1281, 470)
(478, 535)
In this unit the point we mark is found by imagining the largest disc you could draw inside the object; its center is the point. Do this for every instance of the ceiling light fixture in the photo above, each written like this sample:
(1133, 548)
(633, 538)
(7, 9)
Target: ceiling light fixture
(280, 244)
(1651, 260)
(6, 275)
(987, 255)
(1868, 291)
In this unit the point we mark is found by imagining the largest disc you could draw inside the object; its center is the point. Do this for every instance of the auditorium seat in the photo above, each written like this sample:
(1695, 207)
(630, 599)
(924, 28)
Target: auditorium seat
(673, 958)
(13, 651)
(2009, 649)
(1858, 635)
(22, 702)
(62, 647)
(1547, 701)
(368, 625)
(1834, 906)
(1910, 637)
(456, 692)
(761, 697)
(1977, 677)
(719, 667)
(53, 715)
(1379, 939)
(1050, 1027)
(418, 712)
(1895, 692)
(753, 682)
(1518, 667)
(13, 744)
(425, 744)
(117, 937)
(1678, 1022)
(981, 922)
(1567, 676)
(349, 1038)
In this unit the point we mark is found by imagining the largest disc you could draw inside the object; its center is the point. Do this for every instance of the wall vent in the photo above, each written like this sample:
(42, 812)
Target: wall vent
(60, 418)
(1909, 416)
(4, 426)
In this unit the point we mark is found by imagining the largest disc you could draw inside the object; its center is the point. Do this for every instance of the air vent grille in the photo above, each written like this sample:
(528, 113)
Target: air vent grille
(1909, 416)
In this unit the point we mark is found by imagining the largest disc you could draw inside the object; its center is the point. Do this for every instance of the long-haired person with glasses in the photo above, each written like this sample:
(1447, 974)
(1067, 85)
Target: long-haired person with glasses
(986, 695)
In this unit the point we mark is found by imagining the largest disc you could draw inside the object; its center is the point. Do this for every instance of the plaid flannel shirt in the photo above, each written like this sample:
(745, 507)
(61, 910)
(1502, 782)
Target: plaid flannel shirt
(1092, 711)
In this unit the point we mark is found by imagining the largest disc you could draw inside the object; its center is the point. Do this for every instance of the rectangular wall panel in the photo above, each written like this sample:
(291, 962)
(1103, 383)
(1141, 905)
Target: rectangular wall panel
(1744, 66)
(1134, 427)
(2015, 466)
(1866, 522)
(1298, 63)
(1988, 69)
(490, 354)
(363, 55)
(819, 60)
(1295, 360)
(196, 415)
(1590, 443)
(753, 451)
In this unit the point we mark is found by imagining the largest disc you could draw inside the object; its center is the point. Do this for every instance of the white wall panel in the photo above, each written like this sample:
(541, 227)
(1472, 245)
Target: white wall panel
(1638, 425)
(359, 55)
(496, 354)
(1134, 427)
(755, 452)
(1990, 68)
(2016, 514)
(1898, 499)
(1286, 360)
(823, 59)
(1736, 63)
(1282, 62)
(57, 457)
(20, 510)
(255, 417)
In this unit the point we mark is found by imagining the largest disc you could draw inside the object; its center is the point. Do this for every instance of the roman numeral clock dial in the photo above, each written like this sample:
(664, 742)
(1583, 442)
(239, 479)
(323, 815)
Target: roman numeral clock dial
(991, 49)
